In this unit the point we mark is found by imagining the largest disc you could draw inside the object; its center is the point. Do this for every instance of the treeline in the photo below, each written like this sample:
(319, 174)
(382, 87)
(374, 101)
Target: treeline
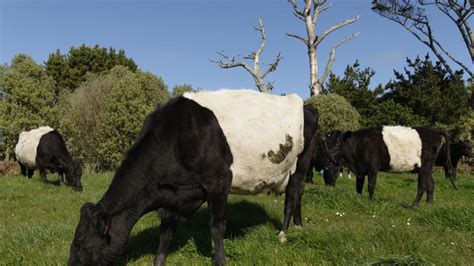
(423, 94)
(98, 98)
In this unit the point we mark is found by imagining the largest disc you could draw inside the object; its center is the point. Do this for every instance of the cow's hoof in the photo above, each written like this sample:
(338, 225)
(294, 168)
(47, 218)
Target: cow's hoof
(282, 237)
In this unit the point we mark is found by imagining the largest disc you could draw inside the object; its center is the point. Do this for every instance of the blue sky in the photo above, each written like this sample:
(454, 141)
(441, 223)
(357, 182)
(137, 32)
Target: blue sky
(177, 39)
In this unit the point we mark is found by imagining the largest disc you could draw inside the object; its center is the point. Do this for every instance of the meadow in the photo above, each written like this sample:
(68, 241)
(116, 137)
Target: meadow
(38, 222)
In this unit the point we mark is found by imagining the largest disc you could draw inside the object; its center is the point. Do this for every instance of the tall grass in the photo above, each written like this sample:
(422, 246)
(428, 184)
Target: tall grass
(38, 222)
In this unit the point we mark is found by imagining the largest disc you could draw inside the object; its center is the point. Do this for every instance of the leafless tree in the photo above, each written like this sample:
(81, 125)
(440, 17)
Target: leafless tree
(309, 15)
(255, 71)
(412, 15)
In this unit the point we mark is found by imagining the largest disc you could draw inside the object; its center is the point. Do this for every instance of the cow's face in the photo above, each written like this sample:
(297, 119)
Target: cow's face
(91, 239)
(335, 141)
(466, 148)
(73, 176)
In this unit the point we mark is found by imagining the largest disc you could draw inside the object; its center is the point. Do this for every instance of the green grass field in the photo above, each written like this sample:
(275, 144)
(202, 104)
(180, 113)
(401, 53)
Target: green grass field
(38, 222)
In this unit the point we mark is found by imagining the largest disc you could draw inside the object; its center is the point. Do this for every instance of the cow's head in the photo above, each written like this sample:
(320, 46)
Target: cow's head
(73, 175)
(92, 237)
(334, 142)
(466, 148)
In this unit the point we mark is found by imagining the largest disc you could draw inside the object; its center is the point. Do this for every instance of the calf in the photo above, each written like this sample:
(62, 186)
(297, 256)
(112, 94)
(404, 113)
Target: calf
(44, 149)
(390, 148)
(321, 161)
(200, 147)
(459, 149)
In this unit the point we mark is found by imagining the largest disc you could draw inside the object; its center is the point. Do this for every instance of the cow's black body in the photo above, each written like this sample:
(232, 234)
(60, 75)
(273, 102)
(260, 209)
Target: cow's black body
(52, 155)
(180, 160)
(365, 153)
(458, 149)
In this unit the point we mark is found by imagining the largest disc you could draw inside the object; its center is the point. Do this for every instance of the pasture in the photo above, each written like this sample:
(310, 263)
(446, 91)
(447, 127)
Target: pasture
(38, 222)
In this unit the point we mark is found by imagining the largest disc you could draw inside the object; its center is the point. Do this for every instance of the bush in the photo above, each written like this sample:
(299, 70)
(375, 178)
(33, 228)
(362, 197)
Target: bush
(105, 114)
(391, 113)
(335, 112)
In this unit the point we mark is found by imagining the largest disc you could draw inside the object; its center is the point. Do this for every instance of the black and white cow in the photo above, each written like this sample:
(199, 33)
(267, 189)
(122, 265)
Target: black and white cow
(458, 149)
(200, 147)
(390, 148)
(43, 148)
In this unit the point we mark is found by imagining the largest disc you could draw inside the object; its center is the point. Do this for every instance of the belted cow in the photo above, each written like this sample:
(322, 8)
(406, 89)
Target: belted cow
(200, 147)
(43, 148)
(393, 149)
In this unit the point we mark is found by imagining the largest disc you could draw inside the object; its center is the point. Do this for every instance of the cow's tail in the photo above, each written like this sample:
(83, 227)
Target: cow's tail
(447, 164)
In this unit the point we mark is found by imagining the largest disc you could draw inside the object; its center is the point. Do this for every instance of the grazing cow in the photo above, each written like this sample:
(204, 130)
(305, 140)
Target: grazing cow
(459, 149)
(200, 147)
(44, 149)
(390, 148)
(321, 161)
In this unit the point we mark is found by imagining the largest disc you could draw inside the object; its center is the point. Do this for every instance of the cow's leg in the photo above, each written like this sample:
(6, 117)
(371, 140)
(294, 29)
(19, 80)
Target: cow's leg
(217, 205)
(167, 229)
(309, 176)
(421, 187)
(23, 169)
(294, 192)
(43, 174)
(360, 183)
(61, 176)
(430, 185)
(30, 173)
(371, 184)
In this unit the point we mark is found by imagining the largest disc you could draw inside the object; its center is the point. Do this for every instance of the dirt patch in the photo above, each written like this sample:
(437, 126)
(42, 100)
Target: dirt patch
(8, 168)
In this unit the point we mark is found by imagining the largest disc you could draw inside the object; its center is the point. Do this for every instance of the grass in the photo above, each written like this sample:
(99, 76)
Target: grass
(38, 222)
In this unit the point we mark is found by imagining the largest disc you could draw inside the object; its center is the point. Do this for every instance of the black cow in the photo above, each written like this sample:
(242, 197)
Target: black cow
(459, 149)
(44, 149)
(186, 155)
(391, 148)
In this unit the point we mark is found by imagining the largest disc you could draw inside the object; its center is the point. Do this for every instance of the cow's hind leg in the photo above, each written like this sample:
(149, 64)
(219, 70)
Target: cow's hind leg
(430, 185)
(23, 169)
(43, 174)
(217, 207)
(167, 229)
(421, 187)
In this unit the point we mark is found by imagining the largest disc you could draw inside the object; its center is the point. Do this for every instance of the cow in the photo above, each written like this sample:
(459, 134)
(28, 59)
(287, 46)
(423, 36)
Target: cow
(391, 148)
(200, 147)
(43, 148)
(321, 161)
(458, 149)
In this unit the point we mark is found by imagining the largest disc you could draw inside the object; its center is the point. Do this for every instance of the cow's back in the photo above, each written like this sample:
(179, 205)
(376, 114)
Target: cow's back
(264, 133)
(26, 148)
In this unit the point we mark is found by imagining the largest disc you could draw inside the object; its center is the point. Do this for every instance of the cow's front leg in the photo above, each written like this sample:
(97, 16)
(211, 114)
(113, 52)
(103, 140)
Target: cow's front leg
(217, 206)
(421, 188)
(430, 185)
(167, 229)
(43, 174)
(360, 183)
(371, 184)
(30, 173)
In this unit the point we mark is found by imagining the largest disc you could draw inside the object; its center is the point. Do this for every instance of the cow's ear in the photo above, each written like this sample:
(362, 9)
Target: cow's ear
(347, 135)
(104, 224)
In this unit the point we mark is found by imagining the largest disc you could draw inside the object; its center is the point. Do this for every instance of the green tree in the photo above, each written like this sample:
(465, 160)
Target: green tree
(391, 113)
(429, 91)
(70, 70)
(335, 112)
(29, 100)
(106, 113)
(181, 89)
(354, 86)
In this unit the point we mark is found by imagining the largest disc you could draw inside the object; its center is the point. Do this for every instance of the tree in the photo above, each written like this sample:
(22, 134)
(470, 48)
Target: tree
(29, 100)
(105, 114)
(70, 70)
(181, 89)
(429, 91)
(354, 86)
(335, 112)
(388, 112)
(309, 15)
(255, 71)
(412, 15)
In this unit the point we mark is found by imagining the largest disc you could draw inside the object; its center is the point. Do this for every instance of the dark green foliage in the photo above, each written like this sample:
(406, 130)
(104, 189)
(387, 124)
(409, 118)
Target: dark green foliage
(29, 101)
(389, 112)
(70, 70)
(429, 91)
(335, 112)
(354, 86)
(181, 89)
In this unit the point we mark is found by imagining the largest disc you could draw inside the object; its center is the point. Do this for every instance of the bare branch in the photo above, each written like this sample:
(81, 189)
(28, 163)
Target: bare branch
(272, 67)
(334, 28)
(298, 37)
(332, 56)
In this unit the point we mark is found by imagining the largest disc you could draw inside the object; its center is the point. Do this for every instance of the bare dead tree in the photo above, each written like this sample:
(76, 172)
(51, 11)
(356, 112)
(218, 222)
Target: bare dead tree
(255, 71)
(309, 15)
(412, 15)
